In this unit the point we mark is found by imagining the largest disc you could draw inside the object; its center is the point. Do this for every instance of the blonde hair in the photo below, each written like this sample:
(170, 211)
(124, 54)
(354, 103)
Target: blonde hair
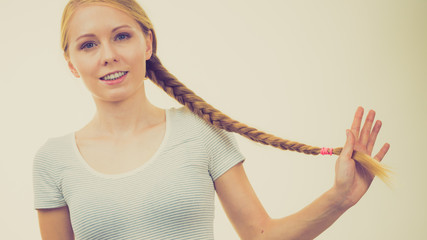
(128, 6)
(157, 73)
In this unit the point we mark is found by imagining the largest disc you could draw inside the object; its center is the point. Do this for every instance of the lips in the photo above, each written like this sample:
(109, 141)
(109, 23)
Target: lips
(113, 76)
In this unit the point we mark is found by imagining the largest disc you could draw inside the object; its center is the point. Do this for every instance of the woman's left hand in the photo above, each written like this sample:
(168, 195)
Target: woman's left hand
(351, 179)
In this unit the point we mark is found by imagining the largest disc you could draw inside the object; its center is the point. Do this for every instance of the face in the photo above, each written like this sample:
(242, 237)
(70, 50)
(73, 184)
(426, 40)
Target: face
(108, 50)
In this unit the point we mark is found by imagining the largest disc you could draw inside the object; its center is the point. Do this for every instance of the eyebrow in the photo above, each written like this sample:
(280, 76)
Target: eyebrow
(93, 35)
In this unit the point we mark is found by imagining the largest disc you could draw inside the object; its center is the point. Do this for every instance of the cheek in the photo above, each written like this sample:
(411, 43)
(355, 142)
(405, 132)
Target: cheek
(137, 54)
(137, 60)
(85, 65)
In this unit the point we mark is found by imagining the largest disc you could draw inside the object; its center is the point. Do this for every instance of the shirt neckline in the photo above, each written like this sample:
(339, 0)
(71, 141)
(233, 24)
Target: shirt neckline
(130, 172)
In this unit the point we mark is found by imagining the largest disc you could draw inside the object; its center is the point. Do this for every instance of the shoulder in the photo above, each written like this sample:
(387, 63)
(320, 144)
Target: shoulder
(53, 148)
(185, 118)
(183, 115)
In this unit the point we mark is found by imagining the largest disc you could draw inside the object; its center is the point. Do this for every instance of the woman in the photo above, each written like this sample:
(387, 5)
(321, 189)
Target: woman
(139, 172)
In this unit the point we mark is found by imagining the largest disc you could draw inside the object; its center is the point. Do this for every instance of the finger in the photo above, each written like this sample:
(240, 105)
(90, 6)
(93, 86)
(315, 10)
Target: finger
(380, 155)
(355, 126)
(347, 150)
(366, 130)
(373, 137)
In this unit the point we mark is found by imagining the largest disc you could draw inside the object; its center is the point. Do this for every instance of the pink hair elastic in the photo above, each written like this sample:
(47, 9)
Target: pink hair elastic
(325, 151)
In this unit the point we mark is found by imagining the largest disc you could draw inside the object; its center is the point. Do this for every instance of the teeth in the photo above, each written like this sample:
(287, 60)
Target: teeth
(113, 76)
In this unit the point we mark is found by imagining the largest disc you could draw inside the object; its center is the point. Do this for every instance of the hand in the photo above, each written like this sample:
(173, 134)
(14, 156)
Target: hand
(351, 179)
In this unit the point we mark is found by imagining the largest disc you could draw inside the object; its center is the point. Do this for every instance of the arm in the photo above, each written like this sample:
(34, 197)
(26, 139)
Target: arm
(251, 220)
(55, 224)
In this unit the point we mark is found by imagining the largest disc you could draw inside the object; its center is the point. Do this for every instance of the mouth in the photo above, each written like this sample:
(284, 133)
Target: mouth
(113, 76)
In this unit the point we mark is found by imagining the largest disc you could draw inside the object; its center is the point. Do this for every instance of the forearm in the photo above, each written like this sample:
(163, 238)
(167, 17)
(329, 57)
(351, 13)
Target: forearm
(308, 222)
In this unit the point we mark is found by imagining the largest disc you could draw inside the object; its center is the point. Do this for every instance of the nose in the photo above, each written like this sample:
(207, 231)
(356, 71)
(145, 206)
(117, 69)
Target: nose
(108, 55)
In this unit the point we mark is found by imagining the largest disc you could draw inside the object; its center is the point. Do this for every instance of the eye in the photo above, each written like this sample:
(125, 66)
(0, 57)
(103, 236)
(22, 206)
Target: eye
(122, 36)
(88, 45)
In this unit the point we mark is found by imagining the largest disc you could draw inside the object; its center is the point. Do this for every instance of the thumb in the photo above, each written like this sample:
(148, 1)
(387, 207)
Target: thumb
(347, 150)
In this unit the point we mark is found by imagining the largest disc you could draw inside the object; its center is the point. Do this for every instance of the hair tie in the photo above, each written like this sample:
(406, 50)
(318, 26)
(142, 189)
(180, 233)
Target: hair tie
(325, 151)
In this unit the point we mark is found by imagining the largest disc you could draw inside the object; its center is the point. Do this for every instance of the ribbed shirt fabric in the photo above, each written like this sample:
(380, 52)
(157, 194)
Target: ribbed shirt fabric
(171, 196)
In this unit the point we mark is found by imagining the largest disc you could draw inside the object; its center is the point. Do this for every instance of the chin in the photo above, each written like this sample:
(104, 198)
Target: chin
(118, 95)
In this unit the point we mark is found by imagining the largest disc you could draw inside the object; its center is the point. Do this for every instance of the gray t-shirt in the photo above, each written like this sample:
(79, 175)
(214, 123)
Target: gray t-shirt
(169, 197)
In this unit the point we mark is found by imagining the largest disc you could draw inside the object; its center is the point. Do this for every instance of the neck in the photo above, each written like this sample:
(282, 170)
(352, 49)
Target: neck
(125, 118)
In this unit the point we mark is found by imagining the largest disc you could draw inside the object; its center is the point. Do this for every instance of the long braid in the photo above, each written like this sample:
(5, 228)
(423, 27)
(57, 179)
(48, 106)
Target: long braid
(170, 84)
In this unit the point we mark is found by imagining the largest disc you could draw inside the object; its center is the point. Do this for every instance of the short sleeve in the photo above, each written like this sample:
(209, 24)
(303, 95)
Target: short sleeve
(222, 148)
(47, 194)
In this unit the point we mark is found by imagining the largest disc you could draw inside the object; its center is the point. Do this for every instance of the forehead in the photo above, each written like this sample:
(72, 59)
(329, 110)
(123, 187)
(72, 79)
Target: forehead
(96, 18)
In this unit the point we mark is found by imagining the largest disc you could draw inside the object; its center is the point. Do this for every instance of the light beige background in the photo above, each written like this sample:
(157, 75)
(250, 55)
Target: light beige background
(297, 69)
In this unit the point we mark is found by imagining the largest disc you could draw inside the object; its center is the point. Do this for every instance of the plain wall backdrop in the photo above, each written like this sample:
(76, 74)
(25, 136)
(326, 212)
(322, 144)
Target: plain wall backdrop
(297, 69)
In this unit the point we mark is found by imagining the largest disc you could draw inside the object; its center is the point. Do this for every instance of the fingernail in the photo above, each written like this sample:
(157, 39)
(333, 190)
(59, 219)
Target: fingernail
(346, 132)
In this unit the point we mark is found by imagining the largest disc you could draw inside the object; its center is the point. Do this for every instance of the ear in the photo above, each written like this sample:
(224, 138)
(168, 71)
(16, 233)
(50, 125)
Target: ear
(149, 45)
(71, 67)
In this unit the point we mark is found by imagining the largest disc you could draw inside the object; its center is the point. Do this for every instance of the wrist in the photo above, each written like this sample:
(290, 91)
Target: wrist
(339, 199)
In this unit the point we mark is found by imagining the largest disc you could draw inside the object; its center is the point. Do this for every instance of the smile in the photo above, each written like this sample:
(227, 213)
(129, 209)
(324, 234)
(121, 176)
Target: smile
(113, 76)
